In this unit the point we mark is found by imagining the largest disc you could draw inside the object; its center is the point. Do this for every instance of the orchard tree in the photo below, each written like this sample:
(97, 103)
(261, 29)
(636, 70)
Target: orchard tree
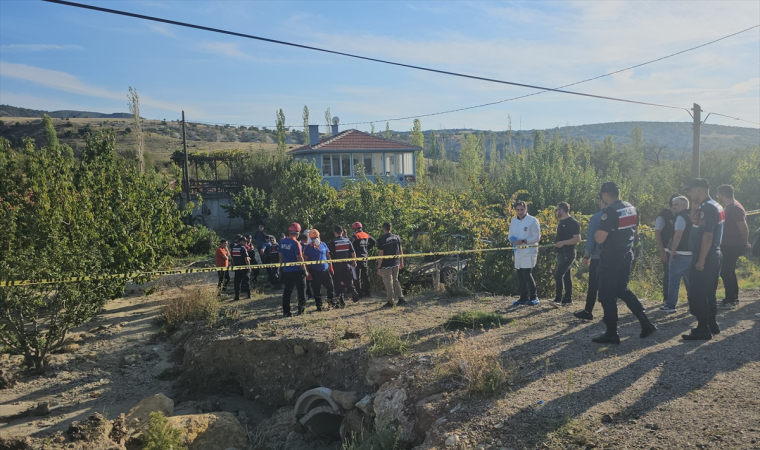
(249, 205)
(418, 140)
(62, 218)
(280, 133)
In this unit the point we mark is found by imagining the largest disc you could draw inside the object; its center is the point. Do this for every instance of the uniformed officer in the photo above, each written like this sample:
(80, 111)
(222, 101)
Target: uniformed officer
(704, 242)
(320, 275)
(293, 276)
(269, 252)
(341, 248)
(240, 257)
(617, 231)
(362, 243)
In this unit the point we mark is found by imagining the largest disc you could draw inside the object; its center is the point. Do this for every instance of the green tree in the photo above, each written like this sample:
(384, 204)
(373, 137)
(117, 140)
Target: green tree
(305, 117)
(249, 204)
(328, 120)
(372, 128)
(387, 130)
(61, 218)
(434, 154)
(51, 137)
(472, 157)
(299, 195)
(280, 133)
(418, 140)
(134, 109)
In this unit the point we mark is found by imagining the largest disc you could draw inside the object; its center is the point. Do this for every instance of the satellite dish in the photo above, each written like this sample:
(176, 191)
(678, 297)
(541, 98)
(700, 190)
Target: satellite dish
(336, 120)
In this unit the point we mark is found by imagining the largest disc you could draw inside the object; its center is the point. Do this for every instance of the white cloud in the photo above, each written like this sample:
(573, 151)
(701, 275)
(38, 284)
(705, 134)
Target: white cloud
(39, 47)
(161, 29)
(66, 82)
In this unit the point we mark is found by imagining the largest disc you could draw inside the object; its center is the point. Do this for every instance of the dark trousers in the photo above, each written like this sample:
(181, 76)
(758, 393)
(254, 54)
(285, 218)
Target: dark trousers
(297, 281)
(273, 273)
(320, 280)
(241, 281)
(562, 276)
(527, 284)
(614, 272)
(731, 254)
(665, 280)
(343, 280)
(362, 278)
(593, 285)
(703, 303)
(224, 279)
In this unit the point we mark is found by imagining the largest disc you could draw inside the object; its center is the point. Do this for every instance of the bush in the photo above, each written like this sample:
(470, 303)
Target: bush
(200, 304)
(382, 342)
(201, 240)
(476, 320)
(377, 439)
(161, 435)
(475, 364)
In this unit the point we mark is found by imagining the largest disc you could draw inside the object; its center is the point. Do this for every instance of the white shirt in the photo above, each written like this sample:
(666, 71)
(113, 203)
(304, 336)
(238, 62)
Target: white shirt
(526, 229)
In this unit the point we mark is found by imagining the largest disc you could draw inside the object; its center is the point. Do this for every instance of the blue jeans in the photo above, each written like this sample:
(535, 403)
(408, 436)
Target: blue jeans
(679, 268)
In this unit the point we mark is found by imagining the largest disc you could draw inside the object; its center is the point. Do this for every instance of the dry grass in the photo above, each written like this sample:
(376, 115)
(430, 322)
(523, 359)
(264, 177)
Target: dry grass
(200, 304)
(383, 342)
(475, 363)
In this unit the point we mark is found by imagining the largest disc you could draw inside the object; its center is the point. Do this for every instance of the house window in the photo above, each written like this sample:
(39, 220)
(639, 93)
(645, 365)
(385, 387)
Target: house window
(373, 162)
(326, 166)
(408, 163)
(336, 165)
(390, 164)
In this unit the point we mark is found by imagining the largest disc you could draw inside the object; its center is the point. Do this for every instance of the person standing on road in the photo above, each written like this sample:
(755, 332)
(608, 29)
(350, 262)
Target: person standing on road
(240, 258)
(253, 274)
(679, 253)
(591, 258)
(735, 243)
(706, 258)
(293, 276)
(319, 273)
(222, 256)
(389, 244)
(568, 234)
(362, 243)
(525, 232)
(341, 248)
(663, 234)
(618, 229)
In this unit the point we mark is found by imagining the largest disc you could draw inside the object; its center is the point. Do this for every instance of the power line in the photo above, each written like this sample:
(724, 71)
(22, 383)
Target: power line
(350, 55)
(735, 118)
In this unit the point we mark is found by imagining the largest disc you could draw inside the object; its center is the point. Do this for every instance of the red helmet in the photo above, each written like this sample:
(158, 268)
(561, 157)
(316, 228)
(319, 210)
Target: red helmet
(295, 227)
(356, 225)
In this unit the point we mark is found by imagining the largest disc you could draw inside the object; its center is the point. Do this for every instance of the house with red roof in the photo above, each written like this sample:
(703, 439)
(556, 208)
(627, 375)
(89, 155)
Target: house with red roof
(343, 155)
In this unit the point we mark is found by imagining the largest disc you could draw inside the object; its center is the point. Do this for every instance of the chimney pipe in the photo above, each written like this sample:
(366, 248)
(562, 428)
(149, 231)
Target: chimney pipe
(313, 135)
(334, 130)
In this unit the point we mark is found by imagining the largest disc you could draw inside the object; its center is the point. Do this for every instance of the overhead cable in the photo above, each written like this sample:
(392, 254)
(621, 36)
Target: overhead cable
(350, 55)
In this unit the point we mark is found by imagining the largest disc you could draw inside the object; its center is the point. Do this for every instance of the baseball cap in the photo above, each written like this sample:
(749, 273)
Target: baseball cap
(609, 187)
(697, 182)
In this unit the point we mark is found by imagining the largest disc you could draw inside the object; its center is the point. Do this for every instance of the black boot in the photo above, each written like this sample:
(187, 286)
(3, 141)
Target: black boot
(713, 324)
(609, 337)
(701, 333)
(647, 327)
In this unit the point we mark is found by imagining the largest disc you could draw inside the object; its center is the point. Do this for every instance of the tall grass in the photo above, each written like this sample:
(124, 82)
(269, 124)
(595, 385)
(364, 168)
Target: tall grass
(200, 304)
(384, 342)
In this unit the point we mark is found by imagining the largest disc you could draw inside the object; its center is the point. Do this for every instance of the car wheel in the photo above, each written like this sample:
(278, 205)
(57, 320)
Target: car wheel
(449, 276)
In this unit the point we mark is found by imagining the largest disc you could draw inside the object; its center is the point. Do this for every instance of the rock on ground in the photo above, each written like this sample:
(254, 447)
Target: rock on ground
(144, 407)
(390, 410)
(345, 399)
(212, 431)
(95, 429)
(380, 371)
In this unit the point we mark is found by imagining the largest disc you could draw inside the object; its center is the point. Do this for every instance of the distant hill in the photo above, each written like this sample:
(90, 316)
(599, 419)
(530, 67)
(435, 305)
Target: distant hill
(14, 111)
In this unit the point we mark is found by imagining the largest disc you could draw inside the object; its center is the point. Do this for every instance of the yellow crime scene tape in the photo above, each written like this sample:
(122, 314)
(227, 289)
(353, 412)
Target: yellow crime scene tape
(132, 275)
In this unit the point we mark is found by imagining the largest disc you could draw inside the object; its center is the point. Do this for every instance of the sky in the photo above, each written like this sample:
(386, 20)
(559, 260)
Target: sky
(57, 57)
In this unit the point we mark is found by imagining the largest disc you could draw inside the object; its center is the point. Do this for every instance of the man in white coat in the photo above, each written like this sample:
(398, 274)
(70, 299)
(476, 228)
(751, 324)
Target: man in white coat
(525, 231)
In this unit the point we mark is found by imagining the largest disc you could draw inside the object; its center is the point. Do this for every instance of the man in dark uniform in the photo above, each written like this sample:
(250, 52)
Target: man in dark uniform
(270, 253)
(663, 233)
(240, 257)
(362, 243)
(293, 276)
(341, 248)
(617, 231)
(704, 242)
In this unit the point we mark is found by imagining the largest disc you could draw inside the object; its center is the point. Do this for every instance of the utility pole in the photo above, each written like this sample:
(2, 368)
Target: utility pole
(695, 152)
(185, 171)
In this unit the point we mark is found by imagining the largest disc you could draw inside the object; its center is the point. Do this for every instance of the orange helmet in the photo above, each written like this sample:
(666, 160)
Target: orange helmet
(313, 233)
(356, 225)
(295, 227)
